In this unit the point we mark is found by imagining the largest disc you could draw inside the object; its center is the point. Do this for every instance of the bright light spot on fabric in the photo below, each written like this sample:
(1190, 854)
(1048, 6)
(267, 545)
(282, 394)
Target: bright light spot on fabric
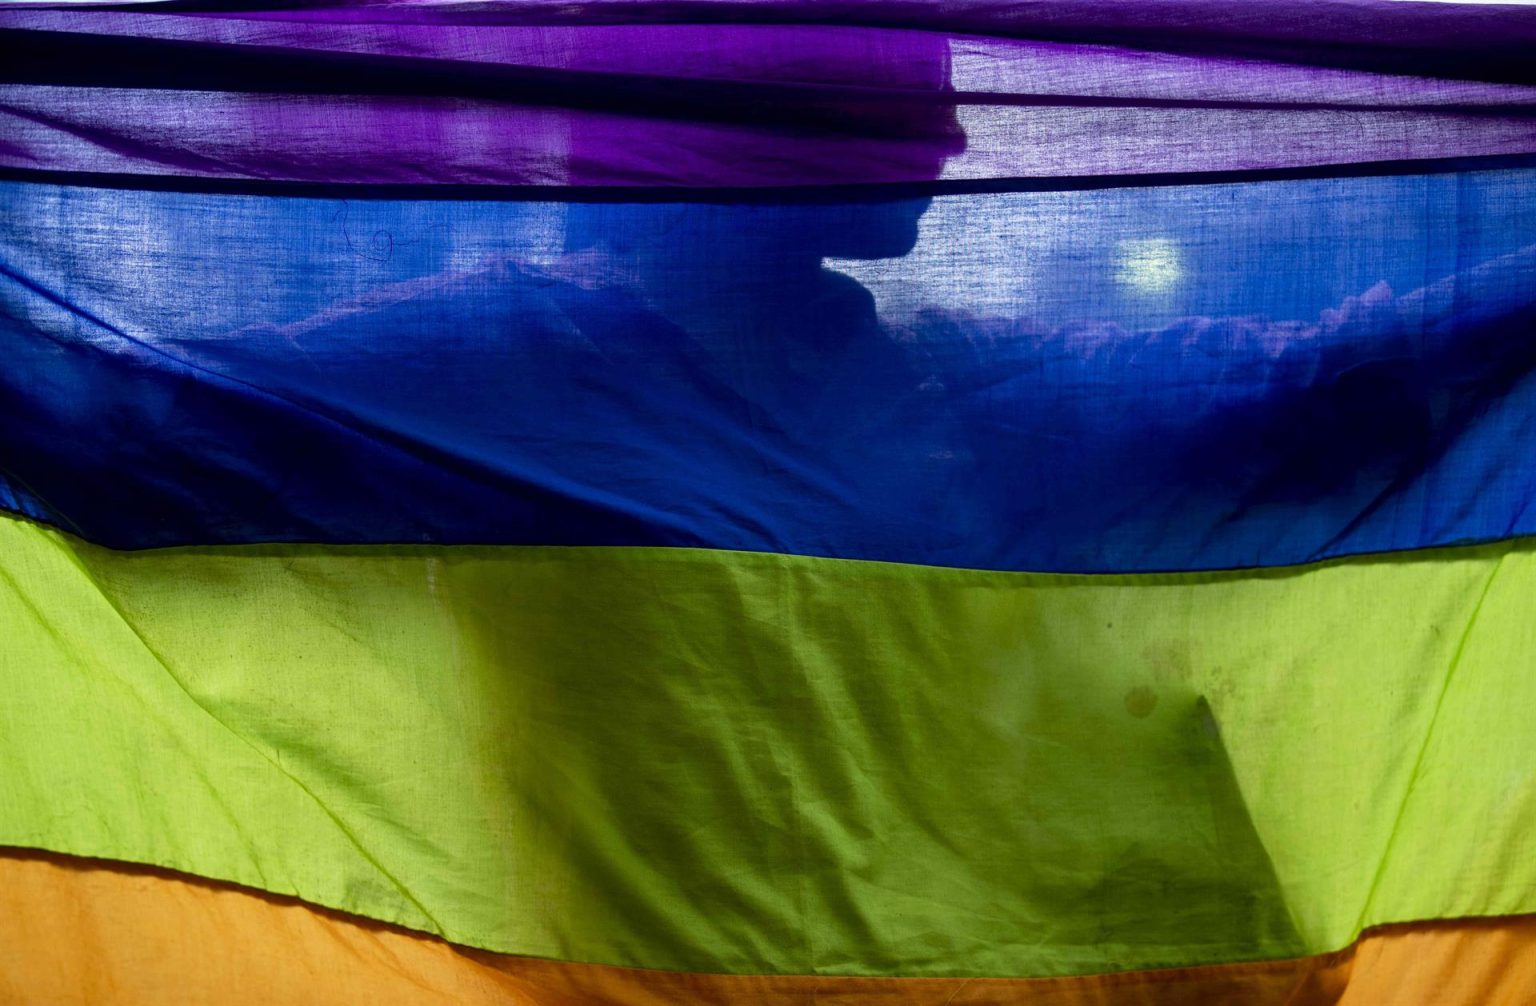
(1149, 265)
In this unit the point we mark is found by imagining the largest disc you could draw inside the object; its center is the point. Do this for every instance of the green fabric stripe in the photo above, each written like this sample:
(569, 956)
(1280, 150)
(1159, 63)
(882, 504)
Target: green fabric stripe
(721, 761)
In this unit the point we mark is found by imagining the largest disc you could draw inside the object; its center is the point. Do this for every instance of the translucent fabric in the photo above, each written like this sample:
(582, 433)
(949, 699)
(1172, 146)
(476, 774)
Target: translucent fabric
(1136, 379)
(770, 501)
(782, 92)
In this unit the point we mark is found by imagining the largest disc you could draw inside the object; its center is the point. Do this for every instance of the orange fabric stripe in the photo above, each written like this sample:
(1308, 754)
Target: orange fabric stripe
(89, 931)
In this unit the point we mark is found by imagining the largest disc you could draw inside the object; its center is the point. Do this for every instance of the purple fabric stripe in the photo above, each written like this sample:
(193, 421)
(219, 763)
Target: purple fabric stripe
(395, 140)
(982, 69)
(1477, 42)
(414, 95)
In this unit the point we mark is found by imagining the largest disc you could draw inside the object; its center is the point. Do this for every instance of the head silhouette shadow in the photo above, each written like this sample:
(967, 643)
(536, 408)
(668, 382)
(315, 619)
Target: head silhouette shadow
(752, 257)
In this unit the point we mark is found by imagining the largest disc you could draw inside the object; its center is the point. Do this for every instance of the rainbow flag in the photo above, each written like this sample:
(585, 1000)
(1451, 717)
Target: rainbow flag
(768, 502)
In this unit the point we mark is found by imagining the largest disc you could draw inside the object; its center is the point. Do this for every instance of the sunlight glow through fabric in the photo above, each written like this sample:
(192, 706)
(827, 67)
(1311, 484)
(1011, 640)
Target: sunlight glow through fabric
(768, 502)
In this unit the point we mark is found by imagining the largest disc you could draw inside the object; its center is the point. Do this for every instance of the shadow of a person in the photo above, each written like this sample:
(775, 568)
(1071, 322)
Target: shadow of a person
(775, 413)
(767, 369)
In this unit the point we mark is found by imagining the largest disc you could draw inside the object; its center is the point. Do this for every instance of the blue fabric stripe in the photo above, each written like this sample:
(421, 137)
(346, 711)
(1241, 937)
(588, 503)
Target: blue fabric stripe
(1096, 381)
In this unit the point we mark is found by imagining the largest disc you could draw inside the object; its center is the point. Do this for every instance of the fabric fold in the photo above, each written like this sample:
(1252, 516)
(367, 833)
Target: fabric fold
(732, 762)
(108, 933)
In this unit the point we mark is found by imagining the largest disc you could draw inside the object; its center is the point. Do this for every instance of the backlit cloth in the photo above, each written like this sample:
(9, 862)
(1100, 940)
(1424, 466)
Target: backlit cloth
(766, 501)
